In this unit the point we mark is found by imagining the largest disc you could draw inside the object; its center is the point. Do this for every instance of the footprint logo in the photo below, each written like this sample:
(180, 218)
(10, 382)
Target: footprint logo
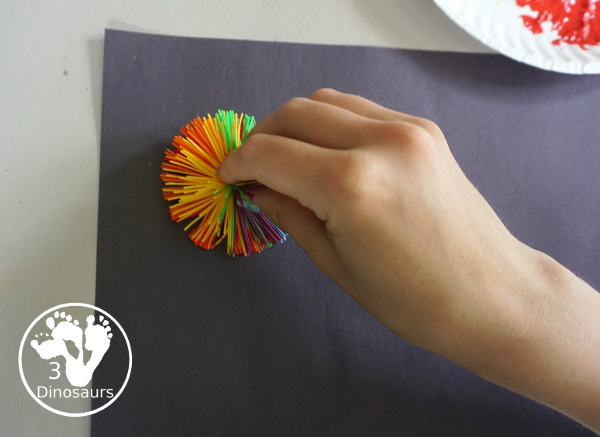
(61, 350)
(64, 328)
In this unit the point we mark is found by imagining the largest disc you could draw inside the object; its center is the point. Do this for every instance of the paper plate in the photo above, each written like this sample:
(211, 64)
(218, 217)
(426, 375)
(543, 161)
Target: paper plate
(498, 24)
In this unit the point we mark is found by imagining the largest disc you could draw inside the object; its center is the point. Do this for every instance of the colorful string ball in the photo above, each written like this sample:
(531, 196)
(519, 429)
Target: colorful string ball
(217, 211)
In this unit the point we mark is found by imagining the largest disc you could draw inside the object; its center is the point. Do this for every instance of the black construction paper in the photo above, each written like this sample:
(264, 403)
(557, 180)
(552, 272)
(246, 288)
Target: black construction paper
(268, 345)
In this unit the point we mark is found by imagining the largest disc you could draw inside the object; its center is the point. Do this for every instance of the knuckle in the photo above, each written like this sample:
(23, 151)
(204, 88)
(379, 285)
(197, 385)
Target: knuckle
(400, 132)
(324, 94)
(293, 106)
(352, 178)
(408, 136)
(432, 128)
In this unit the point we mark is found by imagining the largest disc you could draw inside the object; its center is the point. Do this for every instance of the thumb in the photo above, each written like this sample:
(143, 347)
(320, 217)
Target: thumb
(303, 226)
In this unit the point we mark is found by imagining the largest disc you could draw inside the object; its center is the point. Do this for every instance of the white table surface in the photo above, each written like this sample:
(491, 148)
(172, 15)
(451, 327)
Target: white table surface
(50, 106)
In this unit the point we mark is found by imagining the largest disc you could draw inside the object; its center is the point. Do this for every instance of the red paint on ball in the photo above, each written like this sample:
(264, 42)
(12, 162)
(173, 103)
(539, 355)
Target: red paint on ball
(576, 21)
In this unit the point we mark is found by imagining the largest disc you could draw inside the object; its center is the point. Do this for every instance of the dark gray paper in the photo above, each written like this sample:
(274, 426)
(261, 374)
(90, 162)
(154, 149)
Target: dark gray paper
(267, 345)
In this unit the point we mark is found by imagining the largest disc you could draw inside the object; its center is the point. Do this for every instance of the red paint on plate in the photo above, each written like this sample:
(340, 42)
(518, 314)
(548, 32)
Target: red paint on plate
(577, 21)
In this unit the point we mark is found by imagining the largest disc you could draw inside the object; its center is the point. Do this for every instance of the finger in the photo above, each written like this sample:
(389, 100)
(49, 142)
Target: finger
(289, 166)
(371, 110)
(358, 105)
(316, 123)
(304, 227)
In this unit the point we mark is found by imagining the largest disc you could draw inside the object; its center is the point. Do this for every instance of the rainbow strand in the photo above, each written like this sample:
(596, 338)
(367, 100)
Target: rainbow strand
(219, 211)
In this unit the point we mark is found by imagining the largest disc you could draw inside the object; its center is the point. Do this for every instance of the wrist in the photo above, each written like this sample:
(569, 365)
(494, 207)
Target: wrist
(538, 335)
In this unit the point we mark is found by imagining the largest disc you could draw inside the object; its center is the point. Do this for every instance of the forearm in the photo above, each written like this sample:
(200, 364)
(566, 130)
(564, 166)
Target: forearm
(540, 339)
